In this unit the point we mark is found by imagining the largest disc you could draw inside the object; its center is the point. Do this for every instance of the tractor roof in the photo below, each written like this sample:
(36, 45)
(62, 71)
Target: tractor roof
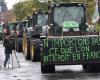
(68, 4)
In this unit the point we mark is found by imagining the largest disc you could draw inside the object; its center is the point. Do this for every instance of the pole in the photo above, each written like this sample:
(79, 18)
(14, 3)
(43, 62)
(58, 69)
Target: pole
(12, 60)
(16, 59)
(8, 63)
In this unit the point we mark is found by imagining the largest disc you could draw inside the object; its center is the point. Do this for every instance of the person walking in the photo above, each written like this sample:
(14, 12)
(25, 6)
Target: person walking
(8, 48)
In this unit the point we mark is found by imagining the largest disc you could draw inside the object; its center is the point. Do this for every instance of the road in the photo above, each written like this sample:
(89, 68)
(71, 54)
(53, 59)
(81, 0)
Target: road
(32, 71)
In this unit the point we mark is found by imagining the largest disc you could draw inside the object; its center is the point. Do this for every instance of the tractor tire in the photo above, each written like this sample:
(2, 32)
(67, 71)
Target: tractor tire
(19, 45)
(27, 51)
(85, 67)
(47, 68)
(23, 47)
(91, 67)
(35, 53)
(94, 67)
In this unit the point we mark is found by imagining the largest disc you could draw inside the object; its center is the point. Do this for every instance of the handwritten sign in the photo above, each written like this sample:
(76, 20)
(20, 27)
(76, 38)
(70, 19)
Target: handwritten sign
(71, 49)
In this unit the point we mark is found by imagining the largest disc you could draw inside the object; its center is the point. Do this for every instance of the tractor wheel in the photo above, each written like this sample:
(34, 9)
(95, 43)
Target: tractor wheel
(23, 48)
(94, 67)
(19, 45)
(47, 68)
(35, 53)
(85, 67)
(27, 51)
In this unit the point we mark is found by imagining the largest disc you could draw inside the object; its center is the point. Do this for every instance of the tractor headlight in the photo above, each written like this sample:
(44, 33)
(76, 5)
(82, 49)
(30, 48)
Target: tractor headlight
(75, 29)
(66, 29)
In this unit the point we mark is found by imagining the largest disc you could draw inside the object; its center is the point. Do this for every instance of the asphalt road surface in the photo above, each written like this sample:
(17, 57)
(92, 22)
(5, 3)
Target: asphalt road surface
(32, 71)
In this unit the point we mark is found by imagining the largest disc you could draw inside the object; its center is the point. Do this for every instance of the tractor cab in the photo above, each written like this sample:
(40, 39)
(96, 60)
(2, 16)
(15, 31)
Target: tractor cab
(12, 27)
(42, 20)
(25, 24)
(19, 28)
(67, 19)
(39, 19)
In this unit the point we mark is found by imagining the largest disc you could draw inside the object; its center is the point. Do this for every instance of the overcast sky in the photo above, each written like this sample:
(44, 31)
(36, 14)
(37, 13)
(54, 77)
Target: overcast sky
(10, 3)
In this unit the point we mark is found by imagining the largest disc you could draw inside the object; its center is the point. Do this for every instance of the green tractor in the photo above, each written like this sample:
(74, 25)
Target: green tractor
(18, 36)
(68, 40)
(42, 20)
(26, 39)
(31, 44)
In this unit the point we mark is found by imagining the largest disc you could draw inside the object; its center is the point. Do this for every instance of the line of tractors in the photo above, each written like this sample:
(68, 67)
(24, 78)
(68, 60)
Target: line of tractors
(22, 32)
(39, 36)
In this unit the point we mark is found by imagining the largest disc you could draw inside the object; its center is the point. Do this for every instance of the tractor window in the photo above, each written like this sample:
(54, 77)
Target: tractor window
(30, 23)
(11, 27)
(25, 24)
(64, 14)
(42, 20)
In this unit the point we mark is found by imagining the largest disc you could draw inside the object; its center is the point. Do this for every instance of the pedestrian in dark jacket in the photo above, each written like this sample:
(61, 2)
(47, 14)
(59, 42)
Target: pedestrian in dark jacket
(8, 48)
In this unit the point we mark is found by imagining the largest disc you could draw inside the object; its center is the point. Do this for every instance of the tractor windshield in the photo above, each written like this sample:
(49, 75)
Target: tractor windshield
(42, 20)
(11, 26)
(70, 13)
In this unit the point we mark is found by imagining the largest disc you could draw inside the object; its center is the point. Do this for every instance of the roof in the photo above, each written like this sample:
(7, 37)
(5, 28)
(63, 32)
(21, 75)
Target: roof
(69, 4)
